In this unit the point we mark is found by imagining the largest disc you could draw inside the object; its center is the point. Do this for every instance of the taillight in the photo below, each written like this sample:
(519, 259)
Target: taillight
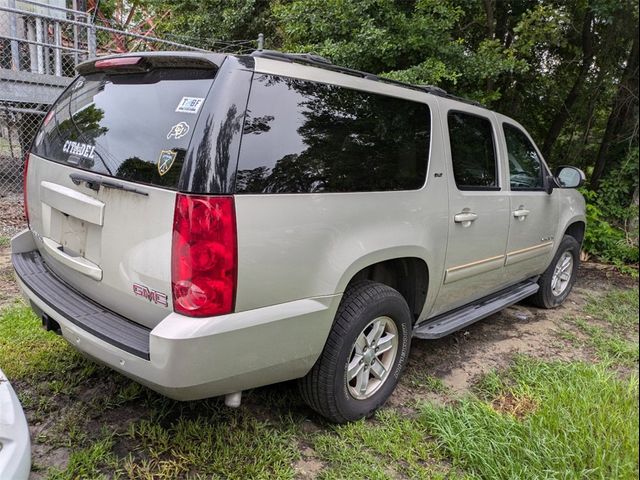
(204, 255)
(49, 116)
(24, 186)
(117, 62)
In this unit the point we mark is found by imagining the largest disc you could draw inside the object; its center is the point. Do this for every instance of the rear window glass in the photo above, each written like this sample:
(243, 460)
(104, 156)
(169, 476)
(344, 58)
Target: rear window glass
(135, 127)
(306, 137)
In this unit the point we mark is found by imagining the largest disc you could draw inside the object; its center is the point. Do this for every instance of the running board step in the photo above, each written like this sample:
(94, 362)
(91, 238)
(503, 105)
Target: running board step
(462, 317)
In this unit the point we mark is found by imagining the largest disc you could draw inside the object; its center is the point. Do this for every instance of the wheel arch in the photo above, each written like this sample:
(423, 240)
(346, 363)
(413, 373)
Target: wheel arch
(576, 230)
(406, 271)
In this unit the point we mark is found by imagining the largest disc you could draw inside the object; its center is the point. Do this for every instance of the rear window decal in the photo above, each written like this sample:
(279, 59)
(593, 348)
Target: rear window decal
(80, 149)
(189, 105)
(179, 130)
(165, 161)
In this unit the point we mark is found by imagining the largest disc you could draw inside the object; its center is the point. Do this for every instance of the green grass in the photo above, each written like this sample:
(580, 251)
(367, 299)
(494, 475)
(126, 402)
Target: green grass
(391, 446)
(534, 420)
(29, 352)
(582, 423)
(618, 307)
(4, 242)
(610, 347)
(614, 335)
(418, 378)
(88, 462)
(222, 443)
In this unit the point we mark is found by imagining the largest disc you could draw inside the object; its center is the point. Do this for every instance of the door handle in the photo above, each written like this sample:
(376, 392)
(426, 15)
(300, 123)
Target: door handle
(465, 218)
(521, 213)
(79, 264)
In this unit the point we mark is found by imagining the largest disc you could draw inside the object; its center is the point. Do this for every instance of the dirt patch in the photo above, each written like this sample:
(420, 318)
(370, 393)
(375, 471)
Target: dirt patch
(11, 216)
(308, 466)
(12, 221)
(8, 287)
(518, 407)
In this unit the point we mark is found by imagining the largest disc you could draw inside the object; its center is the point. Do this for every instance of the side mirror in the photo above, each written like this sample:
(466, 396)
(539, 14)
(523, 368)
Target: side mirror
(569, 177)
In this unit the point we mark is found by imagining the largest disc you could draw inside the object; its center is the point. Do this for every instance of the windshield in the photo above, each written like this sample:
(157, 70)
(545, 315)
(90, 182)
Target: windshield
(135, 127)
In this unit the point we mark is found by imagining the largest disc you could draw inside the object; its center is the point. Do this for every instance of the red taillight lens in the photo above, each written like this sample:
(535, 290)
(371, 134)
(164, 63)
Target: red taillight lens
(49, 116)
(204, 255)
(24, 186)
(117, 62)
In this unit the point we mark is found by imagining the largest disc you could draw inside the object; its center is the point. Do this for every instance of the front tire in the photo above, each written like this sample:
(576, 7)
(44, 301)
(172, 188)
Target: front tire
(557, 281)
(365, 353)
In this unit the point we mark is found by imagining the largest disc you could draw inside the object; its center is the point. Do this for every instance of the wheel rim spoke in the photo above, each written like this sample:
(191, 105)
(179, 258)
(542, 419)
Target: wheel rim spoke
(378, 370)
(361, 344)
(385, 344)
(362, 381)
(355, 367)
(376, 332)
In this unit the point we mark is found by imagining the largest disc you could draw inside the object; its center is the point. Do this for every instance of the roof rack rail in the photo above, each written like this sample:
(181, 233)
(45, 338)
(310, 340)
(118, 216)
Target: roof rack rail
(291, 57)
(440, 92)
(322, 62)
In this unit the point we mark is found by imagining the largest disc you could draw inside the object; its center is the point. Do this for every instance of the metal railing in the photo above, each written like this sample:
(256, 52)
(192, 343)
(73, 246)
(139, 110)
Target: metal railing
(40, 47)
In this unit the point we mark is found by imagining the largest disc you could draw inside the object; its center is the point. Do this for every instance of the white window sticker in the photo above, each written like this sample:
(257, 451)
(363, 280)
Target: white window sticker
(179, 130)
(80, 149)
(189, 105)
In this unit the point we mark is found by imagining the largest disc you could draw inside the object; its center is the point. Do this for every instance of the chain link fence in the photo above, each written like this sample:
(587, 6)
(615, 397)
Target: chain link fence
(40, 45)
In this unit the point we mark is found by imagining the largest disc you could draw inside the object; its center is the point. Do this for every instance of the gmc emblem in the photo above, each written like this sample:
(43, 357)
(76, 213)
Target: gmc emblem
(151, 295)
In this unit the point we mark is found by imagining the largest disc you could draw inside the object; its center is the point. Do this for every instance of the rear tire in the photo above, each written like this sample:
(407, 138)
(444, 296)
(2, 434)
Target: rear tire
(357, 372)
(557, 281)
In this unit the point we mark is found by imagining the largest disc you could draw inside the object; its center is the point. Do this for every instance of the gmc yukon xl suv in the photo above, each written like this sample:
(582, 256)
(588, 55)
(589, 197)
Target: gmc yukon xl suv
(207, 223)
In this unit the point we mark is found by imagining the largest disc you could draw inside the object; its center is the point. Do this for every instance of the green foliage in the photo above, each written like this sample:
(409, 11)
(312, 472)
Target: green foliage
(604, 240)
(616, 190)
(202, 23)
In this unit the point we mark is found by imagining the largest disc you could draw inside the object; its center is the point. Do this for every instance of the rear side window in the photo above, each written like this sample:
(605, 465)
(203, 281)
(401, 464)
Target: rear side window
(135, 127)
(472, 151)
(305, 137)
(525, 167)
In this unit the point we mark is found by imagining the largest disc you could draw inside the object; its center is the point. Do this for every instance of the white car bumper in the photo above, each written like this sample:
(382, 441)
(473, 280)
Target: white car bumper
(15, 446)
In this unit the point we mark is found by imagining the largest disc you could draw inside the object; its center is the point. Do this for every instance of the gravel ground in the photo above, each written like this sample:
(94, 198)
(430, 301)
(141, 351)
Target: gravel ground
(11, 216)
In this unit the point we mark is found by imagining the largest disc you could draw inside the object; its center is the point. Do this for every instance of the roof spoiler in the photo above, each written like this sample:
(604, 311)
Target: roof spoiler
(141, 62)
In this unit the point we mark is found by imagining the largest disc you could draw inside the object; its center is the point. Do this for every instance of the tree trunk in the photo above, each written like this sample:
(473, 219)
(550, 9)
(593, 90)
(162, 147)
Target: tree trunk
(563, 114)
(491, 32)
(491, 23)
(621, 109)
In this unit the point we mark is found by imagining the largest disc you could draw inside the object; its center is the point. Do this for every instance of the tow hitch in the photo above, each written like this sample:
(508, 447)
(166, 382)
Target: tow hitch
(50, 325)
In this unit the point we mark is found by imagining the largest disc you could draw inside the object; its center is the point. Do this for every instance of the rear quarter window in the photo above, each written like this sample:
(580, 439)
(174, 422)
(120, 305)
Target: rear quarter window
(307, 137)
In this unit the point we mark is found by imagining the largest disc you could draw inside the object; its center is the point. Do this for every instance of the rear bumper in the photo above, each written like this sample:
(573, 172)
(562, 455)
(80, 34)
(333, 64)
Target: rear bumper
(193, 358)
(15, 446)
